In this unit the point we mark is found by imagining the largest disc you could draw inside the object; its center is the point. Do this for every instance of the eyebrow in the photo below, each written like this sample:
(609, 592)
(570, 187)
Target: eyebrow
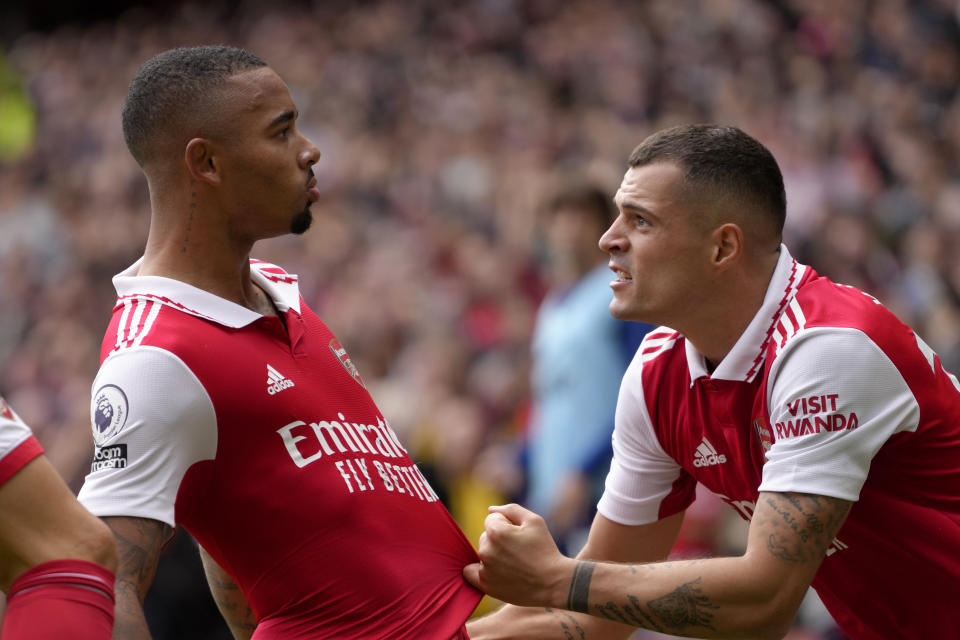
(632, 206)
(283, 118)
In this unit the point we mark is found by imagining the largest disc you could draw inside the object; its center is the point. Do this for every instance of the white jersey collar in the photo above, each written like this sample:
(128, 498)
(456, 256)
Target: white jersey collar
(280, 286)
(746, 358)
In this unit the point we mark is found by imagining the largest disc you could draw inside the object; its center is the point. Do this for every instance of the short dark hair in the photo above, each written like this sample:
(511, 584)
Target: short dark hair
(584, 197)
(722, 160)
(173, 85)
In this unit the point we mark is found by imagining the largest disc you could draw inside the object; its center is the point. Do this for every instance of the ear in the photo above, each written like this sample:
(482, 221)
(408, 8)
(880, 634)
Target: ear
(201, 161)
(727, 245)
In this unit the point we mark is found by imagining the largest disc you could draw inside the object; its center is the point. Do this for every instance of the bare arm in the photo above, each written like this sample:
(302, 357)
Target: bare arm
(755, 595)
(230, 600)
(139, 541)
(608, 540)
(43, 521)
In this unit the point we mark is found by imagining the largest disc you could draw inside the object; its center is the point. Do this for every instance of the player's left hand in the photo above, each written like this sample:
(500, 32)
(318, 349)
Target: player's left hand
(519, 561)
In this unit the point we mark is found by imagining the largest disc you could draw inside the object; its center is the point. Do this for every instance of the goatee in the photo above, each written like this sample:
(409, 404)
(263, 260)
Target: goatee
(301, 222)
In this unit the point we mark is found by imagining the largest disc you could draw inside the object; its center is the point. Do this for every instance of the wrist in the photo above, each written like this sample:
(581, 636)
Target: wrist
(558, 594)
(578, 591)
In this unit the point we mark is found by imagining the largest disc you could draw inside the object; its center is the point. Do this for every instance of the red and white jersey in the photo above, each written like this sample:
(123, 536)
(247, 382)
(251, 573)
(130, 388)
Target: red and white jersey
(17, 444)
(825, 393)
(262, 441)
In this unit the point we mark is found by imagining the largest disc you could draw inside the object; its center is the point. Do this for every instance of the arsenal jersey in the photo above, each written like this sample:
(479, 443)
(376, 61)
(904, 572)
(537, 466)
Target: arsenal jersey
(825, 393)
(258, 436)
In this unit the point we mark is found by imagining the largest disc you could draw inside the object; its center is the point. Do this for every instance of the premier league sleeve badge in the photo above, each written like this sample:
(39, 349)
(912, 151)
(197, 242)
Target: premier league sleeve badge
(108, 413)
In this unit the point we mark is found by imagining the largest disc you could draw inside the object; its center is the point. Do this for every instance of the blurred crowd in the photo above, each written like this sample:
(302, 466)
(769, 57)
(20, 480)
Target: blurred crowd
(444, 128)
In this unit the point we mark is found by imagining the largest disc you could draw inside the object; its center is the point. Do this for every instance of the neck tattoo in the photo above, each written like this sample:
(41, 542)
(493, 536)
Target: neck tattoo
(193, 208)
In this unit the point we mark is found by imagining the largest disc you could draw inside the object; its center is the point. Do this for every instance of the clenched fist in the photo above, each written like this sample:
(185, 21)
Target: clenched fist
(519, 561)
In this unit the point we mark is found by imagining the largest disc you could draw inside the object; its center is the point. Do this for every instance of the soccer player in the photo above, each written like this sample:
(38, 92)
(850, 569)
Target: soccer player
(224, 404)
(804, 404)
(56, 559)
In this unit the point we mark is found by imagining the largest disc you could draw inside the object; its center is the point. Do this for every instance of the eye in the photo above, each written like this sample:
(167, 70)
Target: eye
(283, 133)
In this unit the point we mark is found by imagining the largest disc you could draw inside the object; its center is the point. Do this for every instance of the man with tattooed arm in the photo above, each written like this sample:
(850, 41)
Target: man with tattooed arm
(804, 404)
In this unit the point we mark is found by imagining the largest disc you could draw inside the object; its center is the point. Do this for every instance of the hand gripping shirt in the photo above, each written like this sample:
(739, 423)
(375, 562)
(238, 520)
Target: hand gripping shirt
(262, 441)
(17, 444)
(825, 393)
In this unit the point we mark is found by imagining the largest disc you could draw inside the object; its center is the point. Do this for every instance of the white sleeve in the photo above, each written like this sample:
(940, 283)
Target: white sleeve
(152, 419)
(835, 398)
(13, 430)
(641, 473)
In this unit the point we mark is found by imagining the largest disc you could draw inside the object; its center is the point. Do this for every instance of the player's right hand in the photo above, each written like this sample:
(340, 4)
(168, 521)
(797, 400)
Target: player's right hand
(519, 561)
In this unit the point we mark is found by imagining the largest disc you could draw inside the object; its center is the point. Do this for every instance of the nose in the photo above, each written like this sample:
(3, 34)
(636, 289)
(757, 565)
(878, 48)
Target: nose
(310, 154)
(613, 239)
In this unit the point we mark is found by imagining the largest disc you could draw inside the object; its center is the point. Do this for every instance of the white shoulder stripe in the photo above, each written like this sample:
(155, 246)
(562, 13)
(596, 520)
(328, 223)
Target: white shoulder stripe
(649, 352)
(658, 339)
(121, 326)
(135, 320)
(777, 337)
(133, 328)
(786, 324)
(798, 314)
(148, 323)
(789, 329)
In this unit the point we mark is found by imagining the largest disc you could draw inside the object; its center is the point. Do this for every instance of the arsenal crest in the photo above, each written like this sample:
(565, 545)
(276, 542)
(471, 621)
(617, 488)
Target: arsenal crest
(764, 433)
(341, 354)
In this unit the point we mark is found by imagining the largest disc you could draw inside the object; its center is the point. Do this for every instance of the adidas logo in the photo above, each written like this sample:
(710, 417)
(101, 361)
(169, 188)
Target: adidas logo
(707, 456)
(276, 382)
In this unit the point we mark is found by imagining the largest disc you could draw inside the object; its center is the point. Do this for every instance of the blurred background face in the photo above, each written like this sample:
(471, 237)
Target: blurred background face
(572, 234)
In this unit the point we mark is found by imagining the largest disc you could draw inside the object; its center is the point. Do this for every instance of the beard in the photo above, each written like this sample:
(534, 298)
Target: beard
(301, 221)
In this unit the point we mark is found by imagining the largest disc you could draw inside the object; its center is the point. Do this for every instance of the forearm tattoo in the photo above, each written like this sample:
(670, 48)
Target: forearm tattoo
(579, 595)
(233, 606)
(686, 606)
(632, 614)
(802, 526)
(138, 549)
(229, 598)
(568, 624)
